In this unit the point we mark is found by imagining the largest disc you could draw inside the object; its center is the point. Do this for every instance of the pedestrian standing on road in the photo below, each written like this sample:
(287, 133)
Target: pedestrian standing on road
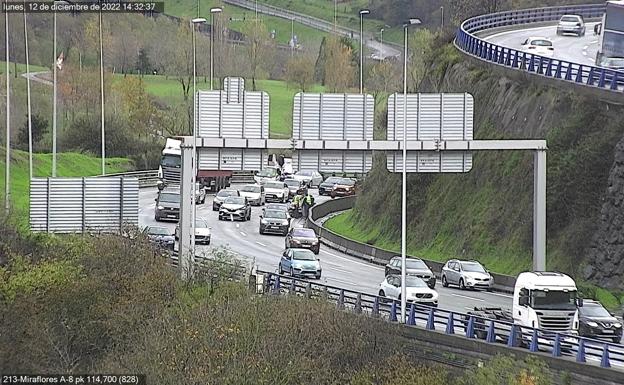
(308, 201)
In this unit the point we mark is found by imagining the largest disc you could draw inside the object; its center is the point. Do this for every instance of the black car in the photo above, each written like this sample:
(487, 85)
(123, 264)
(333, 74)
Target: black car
(303, 238)
(327, 186)
(413, 266)
(167, 205)
(160, 236)
(275, 222)
(596, 321)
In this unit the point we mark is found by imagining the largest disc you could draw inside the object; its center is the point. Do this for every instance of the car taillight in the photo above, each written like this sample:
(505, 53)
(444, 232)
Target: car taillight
(551, 49)
(531, 47)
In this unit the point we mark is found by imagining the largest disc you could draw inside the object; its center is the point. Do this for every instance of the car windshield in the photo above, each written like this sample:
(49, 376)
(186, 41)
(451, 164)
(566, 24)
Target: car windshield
(201, 223)
(234, 200)
(472, 267)
(415, 264)
(304, 233)
(553, 300)
(303, 255)
(411, 281)
(304, 173)
(346, 182)
(275, 214)
(570, 19)
(274, 185)
(157, 231)
(169, 197)
(332, 179)
(594, 311)
(226, 193)
(170, 161)
(614, 62)
(252, 189)
(541, 43)
(292, 183)
(267, 173)
(274, 206)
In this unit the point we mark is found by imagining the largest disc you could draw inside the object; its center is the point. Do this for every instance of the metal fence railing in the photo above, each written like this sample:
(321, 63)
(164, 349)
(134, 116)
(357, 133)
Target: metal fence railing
(581, 349)
(467, 41)
(147, 178)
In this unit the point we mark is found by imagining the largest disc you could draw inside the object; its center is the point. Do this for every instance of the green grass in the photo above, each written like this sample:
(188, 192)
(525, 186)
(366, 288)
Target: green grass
(281, 98)
(68, 165)
(21, 68)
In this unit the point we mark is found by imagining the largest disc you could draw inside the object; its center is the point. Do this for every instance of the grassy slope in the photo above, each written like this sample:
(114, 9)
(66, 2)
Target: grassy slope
(68, 164)
(281, 104)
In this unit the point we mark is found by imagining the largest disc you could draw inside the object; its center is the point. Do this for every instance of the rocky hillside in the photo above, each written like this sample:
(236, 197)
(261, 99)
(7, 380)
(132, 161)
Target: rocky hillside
(487, 214)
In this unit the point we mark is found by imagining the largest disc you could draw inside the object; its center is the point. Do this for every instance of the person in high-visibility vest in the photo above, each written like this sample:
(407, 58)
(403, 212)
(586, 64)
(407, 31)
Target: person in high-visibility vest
(308, 201)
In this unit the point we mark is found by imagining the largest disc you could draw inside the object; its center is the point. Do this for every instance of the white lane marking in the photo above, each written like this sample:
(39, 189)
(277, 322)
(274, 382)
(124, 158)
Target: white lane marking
(585, 48)
(515, 31)
(352, 261)
(584, 53)
(465, 296)
(237, 225)
(592, 59)
(243, 233)
(261, 244)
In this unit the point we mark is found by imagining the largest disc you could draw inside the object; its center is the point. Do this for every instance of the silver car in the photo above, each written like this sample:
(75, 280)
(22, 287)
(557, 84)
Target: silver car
(573, 24)
(466, 275)
(220, 197)
(254, 194)
(310, 178)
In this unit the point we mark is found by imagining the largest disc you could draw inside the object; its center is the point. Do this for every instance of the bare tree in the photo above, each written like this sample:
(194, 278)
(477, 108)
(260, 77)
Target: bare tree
(260, 49)
(300, 72)
(339, 69)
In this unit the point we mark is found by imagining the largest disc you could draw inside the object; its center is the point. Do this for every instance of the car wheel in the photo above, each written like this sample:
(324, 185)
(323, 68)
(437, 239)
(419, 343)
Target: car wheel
(279, 269)
(382, 294)
(220, 218)
(261, 232)
(444, 281)
(292, 272)
(156, 218)
(318, 276)
(616, 340)
(317, 250)
(461, 284)
(215, 208)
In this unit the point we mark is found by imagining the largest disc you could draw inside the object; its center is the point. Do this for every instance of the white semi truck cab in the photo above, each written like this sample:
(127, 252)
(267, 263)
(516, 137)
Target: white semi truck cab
(546, 300)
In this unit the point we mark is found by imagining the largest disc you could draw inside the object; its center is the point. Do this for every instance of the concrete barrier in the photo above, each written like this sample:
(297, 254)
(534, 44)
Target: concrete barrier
(373, 254)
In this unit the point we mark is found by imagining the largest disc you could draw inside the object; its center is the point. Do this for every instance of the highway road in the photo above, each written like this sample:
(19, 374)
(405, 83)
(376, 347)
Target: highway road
(339, 269)
(581, 50)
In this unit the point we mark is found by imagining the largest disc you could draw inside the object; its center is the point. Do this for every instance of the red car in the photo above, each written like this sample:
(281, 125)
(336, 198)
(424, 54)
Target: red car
(344, 187)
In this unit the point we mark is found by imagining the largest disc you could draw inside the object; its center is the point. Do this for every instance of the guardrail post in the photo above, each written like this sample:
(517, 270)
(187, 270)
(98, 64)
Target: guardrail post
(450, 324)
(393, 312)
(276, 285)
(488, 49)
(531, 64)
(604, 362)
(602, 81)
(568, 75)
(375, 311)
(590, 78)
(558, 70)
(580, 353)
(556, 351)
(325, 294)
(511, 341)
(358, 303)
(340, 303)
(291, 288)
(431, 320)
(534, 347)
(267, 283)
(540, 67)
(508, 58)
(308, 291)
(549, 68)
(579, 74)
(514, 63)
(411, 319)
(491, 333)
(470, 327)
(614, 81)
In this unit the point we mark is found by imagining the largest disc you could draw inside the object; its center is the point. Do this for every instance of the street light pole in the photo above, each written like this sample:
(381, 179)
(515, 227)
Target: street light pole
(212, 40)
(292, 37)
(7, 165)
(54, 102)
(194, 22)
(28, 99)
(102, 96)
(382, 46)
(362, 13)
(442, 18)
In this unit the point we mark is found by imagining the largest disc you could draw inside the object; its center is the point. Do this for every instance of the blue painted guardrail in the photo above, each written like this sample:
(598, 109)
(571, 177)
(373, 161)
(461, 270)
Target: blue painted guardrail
(584, 350)
(467, 41)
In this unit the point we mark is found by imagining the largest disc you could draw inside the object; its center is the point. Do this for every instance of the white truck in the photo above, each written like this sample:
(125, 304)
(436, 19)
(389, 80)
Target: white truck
(611, 31)
(544, 300)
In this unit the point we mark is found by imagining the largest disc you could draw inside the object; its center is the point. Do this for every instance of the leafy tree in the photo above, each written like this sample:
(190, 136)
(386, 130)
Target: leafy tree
(259, 48)
(300, 72)
(39, 129)
(339, 69)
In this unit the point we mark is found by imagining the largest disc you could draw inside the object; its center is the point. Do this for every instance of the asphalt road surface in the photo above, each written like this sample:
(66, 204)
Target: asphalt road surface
(581, 50)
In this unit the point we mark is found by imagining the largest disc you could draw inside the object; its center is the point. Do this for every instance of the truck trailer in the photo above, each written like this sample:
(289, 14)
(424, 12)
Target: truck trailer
(611, 31)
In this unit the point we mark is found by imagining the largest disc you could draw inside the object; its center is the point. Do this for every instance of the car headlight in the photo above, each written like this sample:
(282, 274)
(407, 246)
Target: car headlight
(160, 208)
(284, 222)
(617, 325)
(592, 324)
(296, 241)
(264, 221)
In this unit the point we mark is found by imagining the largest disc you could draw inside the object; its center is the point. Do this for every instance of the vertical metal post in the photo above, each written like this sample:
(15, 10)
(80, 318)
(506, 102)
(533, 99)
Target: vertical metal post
(539, 210)
(7, 165)
(404, 182)
(292, 36)
(194, 154)
(361, 52)
(442, 18)
(30, 144)
(382, 46)
(54, 102)
(121, 203)
(102, 97)
(212, 32)
(185, 250)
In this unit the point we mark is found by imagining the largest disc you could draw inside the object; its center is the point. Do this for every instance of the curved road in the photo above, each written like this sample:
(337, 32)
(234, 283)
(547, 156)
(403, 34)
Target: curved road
(339, 269)
(581, 50)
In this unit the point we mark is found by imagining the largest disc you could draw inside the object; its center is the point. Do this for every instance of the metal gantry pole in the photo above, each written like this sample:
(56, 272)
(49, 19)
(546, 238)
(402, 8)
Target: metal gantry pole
(7, 165)
(292, 36)
(194, 146)
(539, 210)
(212, 32)
(102, 97)
(361, 52)
(404, 182)
(382, 46)
(54, 103)
(28, 100)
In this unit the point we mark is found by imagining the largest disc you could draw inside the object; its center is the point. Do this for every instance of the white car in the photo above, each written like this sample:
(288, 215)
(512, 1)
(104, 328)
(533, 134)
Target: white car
(276, 192)
(202, 232)
(200, 194)
(266, 175)
(254, 194)
(539, 46)
(416, 290)
(571, 24)
(310, 178)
